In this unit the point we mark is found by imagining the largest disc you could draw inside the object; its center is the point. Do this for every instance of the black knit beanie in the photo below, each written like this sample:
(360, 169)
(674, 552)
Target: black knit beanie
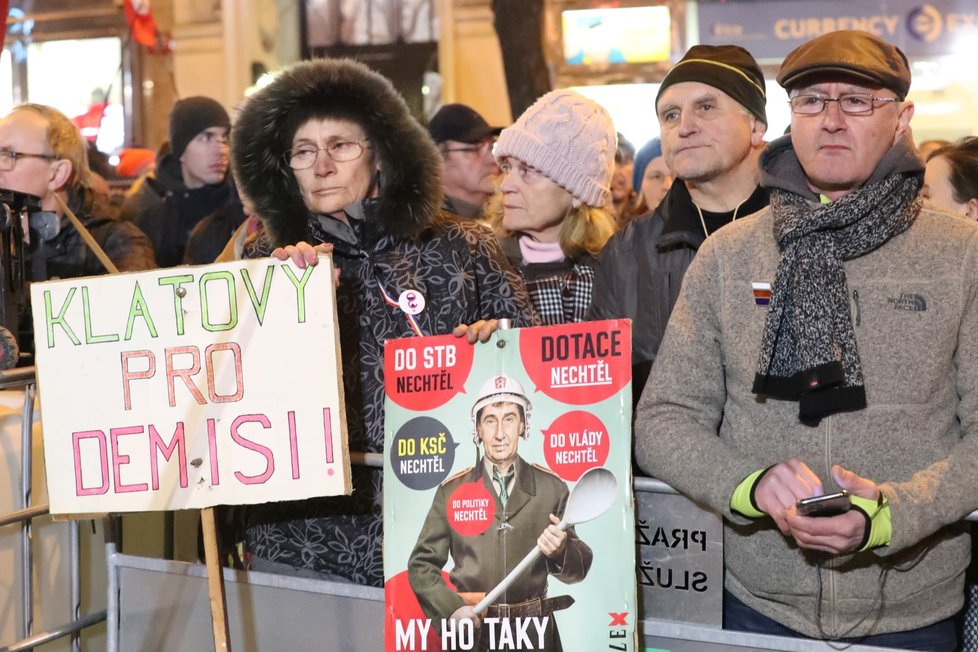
(729, 68)
(192, 115)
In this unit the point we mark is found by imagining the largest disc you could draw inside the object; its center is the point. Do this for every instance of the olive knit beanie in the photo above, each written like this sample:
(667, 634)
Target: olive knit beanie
(729, 68)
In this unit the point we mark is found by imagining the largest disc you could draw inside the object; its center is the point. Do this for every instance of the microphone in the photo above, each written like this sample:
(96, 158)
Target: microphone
(9, 351)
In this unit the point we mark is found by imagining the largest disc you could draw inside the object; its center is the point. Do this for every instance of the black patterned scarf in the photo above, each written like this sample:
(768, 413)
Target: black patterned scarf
(809, 349)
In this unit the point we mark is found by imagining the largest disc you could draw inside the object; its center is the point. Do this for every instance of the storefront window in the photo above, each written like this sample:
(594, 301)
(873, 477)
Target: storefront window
(369, 22)
(945, 95)
(83, 80)
(632, 108)
(938, 37)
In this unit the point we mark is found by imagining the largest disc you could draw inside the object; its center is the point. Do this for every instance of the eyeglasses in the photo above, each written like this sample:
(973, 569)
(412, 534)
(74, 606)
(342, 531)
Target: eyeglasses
(340, 151)
(474, 148)
(525, 172)
(477, 147)
(9, 158)
(851, 103)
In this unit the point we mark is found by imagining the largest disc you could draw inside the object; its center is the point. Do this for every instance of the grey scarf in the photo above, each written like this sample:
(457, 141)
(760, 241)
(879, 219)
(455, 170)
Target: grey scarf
(809, 349)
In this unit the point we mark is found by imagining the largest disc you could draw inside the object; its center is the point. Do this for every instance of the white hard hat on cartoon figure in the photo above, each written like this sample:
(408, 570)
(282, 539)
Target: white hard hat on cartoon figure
(502, 389)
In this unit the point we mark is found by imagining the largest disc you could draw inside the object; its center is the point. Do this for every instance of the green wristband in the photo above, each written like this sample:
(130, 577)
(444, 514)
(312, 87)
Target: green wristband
(877, 513)
(742, 500)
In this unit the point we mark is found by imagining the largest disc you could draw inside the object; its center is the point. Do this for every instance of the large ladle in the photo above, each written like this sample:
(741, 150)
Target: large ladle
(591, 497)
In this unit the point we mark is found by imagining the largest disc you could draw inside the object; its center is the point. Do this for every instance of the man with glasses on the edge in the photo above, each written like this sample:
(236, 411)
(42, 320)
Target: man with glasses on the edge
(43, 154)
(465, 141)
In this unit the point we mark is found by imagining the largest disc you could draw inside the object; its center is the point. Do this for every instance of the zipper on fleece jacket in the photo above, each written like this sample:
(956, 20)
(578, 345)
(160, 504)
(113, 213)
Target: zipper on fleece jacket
(829, 608)
(830, 562)
(856, 316)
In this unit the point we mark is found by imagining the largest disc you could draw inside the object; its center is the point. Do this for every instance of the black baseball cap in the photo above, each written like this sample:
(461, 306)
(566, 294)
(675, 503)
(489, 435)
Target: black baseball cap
(460, 122)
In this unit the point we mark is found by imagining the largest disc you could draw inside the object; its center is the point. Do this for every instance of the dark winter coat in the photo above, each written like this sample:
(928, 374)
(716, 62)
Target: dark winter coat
(67, 256)
(398, 242)
(166, 210)
(641, 269)
(208, 239)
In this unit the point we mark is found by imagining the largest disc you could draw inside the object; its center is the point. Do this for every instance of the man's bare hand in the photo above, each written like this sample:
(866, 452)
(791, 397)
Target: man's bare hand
(782, 486)
(480, 331)
(832, 534)
(854, 484)
(836, 534)
(552, 541)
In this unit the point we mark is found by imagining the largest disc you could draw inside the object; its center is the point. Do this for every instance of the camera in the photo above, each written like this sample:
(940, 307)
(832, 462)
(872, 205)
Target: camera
(21, 222)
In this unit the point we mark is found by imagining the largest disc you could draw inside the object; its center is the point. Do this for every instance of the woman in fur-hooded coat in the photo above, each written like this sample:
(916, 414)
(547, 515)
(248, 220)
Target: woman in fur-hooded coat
(395, 240)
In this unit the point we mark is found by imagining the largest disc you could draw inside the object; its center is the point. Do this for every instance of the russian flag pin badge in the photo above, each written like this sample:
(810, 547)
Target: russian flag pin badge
(762, 293)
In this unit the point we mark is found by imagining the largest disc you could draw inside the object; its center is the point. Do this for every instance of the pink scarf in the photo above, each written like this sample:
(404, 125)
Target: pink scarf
(540, 252)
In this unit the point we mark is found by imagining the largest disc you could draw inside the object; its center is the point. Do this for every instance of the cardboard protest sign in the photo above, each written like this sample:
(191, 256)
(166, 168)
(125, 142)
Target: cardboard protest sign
(483, 444)
(190, 387)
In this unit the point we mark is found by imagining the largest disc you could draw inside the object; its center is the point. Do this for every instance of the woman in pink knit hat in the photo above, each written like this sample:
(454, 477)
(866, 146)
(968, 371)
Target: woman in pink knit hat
(552, 211)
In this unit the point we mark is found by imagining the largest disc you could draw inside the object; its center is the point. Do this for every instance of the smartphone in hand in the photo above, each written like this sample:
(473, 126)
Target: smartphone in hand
(827, 505)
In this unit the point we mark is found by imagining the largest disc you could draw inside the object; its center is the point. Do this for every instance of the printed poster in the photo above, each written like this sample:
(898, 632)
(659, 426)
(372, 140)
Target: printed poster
(508, 515)
(190, 387)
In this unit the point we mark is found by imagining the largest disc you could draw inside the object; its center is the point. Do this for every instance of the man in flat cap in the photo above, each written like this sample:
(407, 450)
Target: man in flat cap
(711, 110)
(830, 343)
(465, 140)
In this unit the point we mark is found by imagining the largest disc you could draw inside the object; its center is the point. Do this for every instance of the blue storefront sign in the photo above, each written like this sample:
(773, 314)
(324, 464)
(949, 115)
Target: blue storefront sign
(772, 28)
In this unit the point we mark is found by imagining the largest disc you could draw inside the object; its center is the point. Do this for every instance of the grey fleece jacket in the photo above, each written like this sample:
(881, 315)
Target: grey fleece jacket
(701, 429)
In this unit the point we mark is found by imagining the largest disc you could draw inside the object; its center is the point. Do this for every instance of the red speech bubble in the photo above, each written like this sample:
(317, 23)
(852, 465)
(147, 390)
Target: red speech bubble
(574, 443)
(403, 607)
(579, 363)
(471, 509)
(425, 373)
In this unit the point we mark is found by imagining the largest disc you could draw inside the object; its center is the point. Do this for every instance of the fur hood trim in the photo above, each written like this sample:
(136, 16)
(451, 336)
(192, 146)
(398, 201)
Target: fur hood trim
(410, 181)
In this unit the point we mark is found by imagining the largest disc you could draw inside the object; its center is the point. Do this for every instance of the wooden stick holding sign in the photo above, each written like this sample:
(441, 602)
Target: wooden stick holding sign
(215, 581)
(212, 555)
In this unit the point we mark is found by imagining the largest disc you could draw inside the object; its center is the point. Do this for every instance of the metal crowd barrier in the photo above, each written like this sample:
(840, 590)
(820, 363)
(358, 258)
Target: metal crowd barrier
(163, 605)
(23, 378)
(159, 593)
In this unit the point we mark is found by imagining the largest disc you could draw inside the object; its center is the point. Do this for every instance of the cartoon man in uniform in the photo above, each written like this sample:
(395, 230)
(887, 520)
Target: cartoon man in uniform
(529, 501)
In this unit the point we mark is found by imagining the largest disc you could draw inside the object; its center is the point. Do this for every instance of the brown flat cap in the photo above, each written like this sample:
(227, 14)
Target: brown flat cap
(848, 53)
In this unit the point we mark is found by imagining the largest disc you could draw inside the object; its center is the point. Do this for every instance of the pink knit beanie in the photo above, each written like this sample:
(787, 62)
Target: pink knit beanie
(570, 139)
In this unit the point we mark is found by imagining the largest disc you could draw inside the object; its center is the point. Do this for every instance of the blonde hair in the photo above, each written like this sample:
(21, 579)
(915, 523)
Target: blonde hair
(65, 141)
(584, 230)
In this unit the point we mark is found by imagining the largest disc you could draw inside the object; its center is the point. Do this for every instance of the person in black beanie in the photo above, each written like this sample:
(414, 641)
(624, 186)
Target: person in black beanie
(711, 114)
(189, 183)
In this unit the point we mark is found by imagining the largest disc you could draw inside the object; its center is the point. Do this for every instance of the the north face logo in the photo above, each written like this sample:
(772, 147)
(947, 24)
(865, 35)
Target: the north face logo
(908, 301)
